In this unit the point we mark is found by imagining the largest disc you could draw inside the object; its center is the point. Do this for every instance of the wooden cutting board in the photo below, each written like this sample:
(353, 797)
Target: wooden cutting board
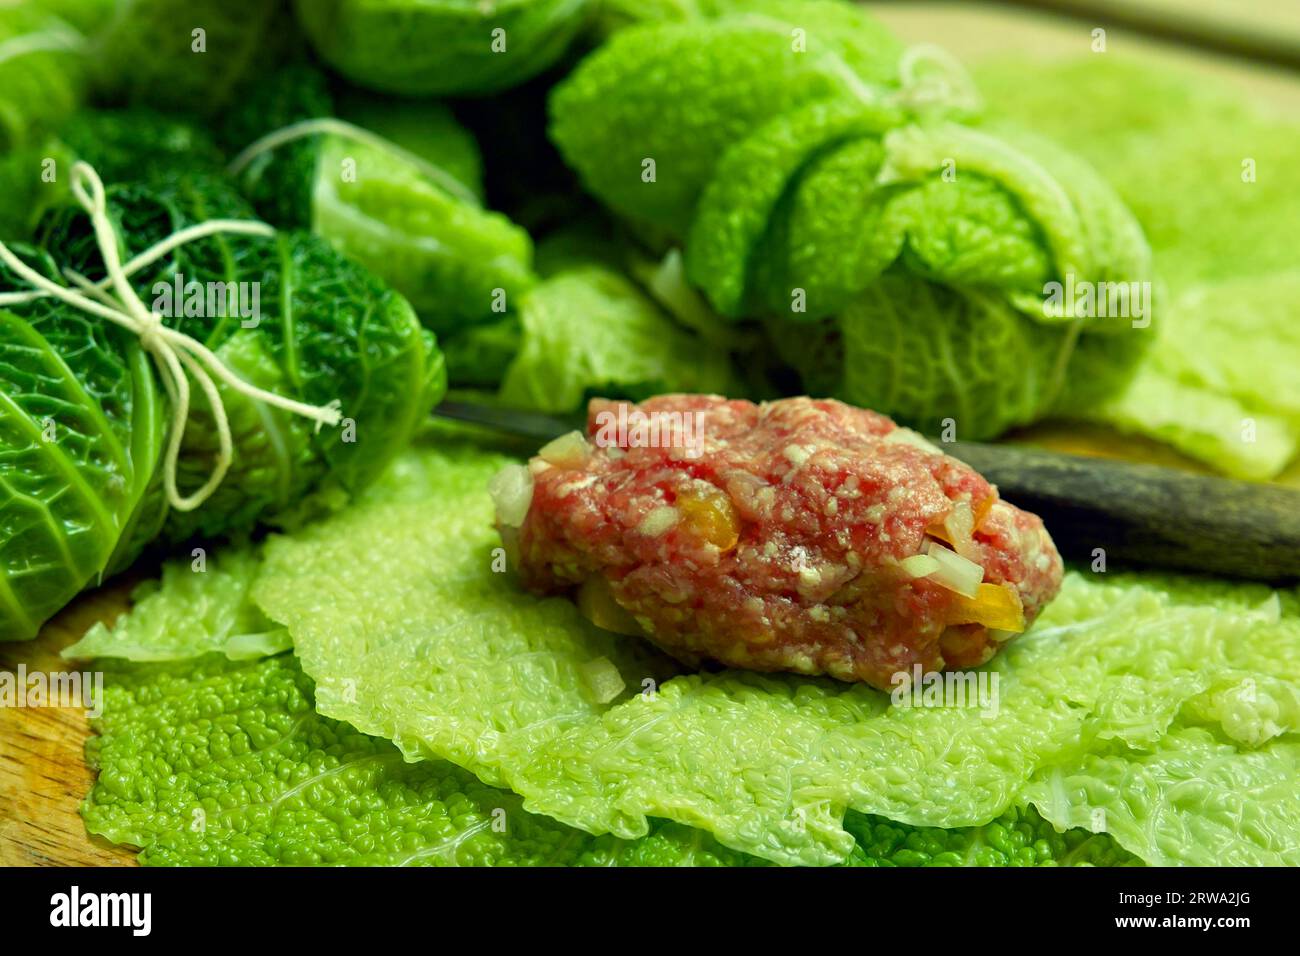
(43, 773)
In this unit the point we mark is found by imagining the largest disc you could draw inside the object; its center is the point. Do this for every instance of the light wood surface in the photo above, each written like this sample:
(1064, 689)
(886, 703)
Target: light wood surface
(43, 774)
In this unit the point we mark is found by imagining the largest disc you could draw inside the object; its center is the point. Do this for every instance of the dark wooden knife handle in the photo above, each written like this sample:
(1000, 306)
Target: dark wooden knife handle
(1143, 514)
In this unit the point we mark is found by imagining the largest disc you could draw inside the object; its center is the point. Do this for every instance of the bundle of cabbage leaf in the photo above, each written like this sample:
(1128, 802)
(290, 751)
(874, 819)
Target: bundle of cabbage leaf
(43, 71)
(87, 416)
(440, 47)
(394, 187)
(813, 169)
(1220, 382)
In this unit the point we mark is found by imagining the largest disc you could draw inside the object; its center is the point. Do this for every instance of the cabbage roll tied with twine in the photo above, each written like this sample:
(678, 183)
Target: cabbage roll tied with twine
(170, 367)
(441, 47)
(393, 186)
(902, 254)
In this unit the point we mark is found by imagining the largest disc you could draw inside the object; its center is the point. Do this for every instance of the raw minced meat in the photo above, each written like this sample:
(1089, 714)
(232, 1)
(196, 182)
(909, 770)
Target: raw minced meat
(796, 535)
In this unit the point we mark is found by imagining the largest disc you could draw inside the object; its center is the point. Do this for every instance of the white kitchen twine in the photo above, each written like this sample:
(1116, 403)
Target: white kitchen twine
(173, 352)
(330, 126)
(950, 87)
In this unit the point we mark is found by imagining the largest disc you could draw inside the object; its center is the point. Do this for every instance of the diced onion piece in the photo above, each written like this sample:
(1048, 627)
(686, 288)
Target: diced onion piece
(567, 451)
(955, 572)
(949, 529)
(920, 565)
(957, 529)
(596, 603)
(602, 679)
(511, 489)
(996, 606)
(960, 523)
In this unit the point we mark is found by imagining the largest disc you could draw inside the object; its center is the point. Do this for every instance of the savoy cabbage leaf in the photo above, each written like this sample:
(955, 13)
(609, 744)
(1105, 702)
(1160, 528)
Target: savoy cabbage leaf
(945, 354)
(406, 206)
(587, 330)
(478, 356)
(197, 607)
(205, 761)
(623, 108)
(214, 763)
(1218, 383)
(192, 56)
(425, 128)
(81, 423)
(421, 642)
(85, 417)
(44, 57)
(126, 144)
(809, 173)
(440, 47)
(43, 66)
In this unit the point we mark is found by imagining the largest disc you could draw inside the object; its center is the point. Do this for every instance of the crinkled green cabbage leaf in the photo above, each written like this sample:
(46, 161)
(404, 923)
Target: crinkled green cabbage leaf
(198, 607)
(532, 658)
(625, 106)
(1221, 214)
(816, 173)
(83, 417)
(44, 55)
(478, 356)
(125, 144)
(440, 47)
(43, 66)
(408, 209)
(219, 763)
(69, 500)
(205, 762)
(587, 330)
(426, 128)
(192, 56)
(417, 640)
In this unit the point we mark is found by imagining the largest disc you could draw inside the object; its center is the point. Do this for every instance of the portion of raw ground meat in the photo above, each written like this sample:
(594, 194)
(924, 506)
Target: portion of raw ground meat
(778, 537)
